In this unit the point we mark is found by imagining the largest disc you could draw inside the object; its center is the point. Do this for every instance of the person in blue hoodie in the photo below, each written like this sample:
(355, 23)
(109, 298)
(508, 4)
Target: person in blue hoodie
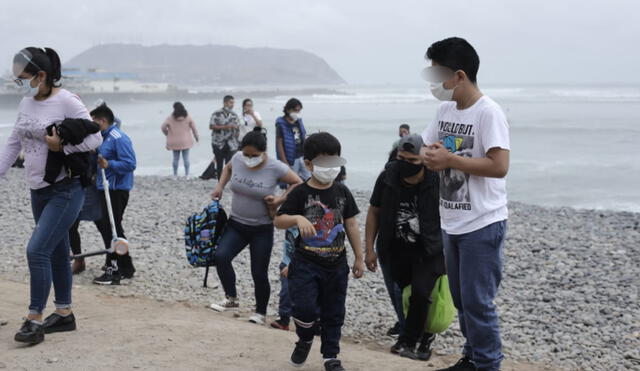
(117, 158)
(290, 135)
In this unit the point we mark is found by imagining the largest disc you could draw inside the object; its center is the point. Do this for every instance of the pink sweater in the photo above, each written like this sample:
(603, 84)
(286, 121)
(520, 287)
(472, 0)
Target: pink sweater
(180, 132)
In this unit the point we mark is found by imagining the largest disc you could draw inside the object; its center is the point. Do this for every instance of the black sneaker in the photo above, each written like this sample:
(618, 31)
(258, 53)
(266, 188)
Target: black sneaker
(300, 353)
(394, 332)
(463, 364)
(333, 365)
(397, 347)
(127, 274)
(409, 352)
(108, 278)
(424, 348)
(30, 333)
(58, 323)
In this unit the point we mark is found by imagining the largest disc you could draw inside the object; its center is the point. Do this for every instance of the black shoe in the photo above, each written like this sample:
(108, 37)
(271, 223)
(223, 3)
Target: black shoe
(108, 278)
(30, 333)
(397, 347)
(463, 364)
(333, 365)
(127, 274)
(394, 332)
(300, 353)
(409, 352)
(424, 348)
(58, 323)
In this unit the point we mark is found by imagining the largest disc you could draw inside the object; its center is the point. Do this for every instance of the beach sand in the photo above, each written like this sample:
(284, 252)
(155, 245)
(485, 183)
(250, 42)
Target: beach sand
(568, 300)
(139, 333)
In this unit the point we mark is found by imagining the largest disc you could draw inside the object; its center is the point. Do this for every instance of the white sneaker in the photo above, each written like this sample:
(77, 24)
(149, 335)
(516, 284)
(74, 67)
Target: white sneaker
(227, 304)
(257, 318)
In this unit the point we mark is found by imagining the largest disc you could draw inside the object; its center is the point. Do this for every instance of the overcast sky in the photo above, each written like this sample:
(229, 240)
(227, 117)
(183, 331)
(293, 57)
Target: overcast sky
(533, 41)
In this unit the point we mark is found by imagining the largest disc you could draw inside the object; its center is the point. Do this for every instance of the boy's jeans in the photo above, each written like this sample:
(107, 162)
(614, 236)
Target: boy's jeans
(284, 306)
(318, 291)
(474, 267)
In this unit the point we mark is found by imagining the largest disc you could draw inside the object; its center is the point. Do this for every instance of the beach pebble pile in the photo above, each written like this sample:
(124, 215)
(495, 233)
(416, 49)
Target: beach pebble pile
(569, 295)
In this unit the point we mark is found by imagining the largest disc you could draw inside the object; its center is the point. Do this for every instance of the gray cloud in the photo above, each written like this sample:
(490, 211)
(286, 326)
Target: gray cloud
(366, 42)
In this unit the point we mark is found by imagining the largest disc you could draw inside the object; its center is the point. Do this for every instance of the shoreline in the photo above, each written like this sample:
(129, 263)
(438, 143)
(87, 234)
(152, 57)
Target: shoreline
(568, 299)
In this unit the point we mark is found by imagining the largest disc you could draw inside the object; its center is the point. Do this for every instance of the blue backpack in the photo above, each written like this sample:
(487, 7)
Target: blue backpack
(201, 234)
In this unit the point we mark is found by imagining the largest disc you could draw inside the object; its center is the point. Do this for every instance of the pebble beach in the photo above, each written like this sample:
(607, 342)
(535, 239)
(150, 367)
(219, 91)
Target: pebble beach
(569, 295)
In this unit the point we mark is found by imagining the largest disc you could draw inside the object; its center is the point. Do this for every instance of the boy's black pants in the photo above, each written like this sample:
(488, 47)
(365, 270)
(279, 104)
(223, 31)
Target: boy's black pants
(119, 201)
(319, 292)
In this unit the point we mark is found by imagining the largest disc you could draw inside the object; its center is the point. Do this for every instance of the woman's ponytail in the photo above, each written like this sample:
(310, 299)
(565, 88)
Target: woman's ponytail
(55, 74)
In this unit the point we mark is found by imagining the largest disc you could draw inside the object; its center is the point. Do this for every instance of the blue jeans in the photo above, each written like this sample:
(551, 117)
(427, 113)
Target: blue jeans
(55, 209)
(235, 238)
(284, 305)
(185, 160)
(474, 267)
(318, 291)
(395, 293)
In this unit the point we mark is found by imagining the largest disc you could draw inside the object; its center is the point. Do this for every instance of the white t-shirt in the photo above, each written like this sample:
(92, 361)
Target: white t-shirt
(248, 123)
(468, 202)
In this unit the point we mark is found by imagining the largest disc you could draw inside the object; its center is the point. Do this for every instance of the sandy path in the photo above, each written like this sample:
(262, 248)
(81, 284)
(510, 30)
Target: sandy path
(139, 333)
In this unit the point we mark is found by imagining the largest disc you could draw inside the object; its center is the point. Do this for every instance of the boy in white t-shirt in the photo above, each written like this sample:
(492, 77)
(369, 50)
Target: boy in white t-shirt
(468, 143)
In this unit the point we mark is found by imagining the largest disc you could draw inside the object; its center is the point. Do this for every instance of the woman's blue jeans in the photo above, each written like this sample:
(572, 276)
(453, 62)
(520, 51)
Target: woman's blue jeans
(54, 208)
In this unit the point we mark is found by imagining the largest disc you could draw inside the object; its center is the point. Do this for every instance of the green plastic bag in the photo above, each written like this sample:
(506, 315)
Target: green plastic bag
(441, 310)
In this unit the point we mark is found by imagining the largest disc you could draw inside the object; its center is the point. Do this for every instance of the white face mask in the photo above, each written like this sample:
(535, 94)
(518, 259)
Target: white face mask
(252, 162)
(294, 116)
(325, 175)
(26, 89)
(439, 91)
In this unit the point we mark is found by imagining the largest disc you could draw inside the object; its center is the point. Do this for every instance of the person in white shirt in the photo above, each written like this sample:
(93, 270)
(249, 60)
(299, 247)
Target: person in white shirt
(250, 118)
(468, 143)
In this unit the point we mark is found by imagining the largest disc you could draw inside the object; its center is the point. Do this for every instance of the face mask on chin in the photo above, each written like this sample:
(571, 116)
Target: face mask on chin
(441, 93)
(325, 175)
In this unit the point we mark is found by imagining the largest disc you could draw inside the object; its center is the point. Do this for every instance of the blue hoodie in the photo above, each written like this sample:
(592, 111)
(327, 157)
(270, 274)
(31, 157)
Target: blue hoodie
(117, 149)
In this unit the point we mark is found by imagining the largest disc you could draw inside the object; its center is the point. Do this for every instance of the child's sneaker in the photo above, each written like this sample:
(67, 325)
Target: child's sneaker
(228, 303)
(110, 277)
(280, 324)
(424, 348)
(257, 318)
(333, 365)
(300, 353)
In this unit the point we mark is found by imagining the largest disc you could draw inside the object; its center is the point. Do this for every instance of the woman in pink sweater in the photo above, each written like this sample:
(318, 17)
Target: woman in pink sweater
(180, 131)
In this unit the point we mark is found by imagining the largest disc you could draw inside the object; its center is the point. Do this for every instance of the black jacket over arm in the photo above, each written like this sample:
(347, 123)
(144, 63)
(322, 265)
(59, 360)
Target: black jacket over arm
(71, 131)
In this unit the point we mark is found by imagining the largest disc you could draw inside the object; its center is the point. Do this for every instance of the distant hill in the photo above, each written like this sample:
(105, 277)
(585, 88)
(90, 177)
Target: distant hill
(210, 64)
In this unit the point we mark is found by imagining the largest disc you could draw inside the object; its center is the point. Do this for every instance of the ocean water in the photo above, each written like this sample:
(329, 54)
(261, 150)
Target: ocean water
(571, 145)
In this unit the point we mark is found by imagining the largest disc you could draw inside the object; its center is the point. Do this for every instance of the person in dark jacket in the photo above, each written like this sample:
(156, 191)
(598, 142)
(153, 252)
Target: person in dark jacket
(404, 216)
(117, 158)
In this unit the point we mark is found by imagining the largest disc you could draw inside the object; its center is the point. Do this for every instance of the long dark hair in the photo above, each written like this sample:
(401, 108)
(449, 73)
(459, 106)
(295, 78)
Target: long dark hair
(36, 60)
(244, 103)
(179, 110)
